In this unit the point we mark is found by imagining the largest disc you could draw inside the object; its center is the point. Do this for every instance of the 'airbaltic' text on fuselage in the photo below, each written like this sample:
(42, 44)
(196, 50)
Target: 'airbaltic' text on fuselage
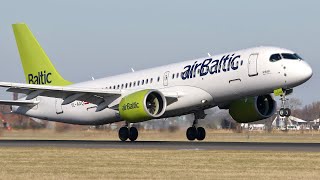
(226, 63)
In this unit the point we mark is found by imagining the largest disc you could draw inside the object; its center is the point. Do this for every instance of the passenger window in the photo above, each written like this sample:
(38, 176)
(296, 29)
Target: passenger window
(126, 85)
(142, 82)
(151, 80)
(121, 86)
(147, 80)
(130, 84)
(177, 75)
(138, 83)
(275, 57)
(172, 76)
(114, 87)
(134, 84)
(118, 86)
(158, 78)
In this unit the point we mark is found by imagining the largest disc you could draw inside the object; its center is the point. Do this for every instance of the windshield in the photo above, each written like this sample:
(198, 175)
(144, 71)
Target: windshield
(289, 56)
(277, 57)
(298, 56)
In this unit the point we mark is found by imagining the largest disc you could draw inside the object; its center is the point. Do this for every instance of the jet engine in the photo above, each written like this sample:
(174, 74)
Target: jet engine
(252, 108)
(142, 106)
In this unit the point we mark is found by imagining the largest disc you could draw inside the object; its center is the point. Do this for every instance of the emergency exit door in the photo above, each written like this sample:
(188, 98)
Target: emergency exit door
(166, 78)
(59, 109)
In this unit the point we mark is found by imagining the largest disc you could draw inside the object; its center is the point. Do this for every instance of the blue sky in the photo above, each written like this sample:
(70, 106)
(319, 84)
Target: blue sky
(101, 38)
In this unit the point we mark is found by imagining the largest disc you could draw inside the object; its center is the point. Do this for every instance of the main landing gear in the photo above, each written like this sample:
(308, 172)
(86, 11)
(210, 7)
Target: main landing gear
(196, 132)
(127, 132)
(284, 111)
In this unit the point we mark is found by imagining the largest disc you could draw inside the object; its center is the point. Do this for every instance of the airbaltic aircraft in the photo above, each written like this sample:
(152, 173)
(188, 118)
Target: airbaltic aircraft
(242, 81)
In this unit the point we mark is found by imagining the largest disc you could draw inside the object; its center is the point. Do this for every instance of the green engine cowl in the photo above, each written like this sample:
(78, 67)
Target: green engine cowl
(142, 105)
(252, 109)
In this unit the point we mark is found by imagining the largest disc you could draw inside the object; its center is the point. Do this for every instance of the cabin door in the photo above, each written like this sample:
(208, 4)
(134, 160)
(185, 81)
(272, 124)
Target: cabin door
(253, 65)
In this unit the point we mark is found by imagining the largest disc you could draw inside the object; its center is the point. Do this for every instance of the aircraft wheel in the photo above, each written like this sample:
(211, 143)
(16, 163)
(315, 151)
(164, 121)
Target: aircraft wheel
(123, 133)
(133, 134)
(191, 133)
(287, 112)
(282, 112)
(201, 133)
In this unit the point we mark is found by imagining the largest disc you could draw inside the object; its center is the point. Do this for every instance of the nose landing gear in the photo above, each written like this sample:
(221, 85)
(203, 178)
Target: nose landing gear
(284, 111)
(195, 132)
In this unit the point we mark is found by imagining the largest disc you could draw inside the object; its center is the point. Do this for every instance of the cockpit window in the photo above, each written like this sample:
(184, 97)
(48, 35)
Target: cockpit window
(289, 56)
(298, 56)
(275, 57)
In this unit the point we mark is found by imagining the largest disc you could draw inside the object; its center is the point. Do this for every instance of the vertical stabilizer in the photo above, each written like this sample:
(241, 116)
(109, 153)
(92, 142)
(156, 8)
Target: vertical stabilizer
(37, 67)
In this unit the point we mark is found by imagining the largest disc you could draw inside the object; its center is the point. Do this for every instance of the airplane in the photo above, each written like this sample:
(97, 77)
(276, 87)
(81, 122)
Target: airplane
(243, 81)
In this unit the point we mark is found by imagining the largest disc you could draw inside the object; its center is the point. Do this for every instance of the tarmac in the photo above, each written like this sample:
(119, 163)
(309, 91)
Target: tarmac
(171, 145)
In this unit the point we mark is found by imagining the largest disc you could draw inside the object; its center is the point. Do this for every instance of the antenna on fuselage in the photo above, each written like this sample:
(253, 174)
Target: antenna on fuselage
(132, 69)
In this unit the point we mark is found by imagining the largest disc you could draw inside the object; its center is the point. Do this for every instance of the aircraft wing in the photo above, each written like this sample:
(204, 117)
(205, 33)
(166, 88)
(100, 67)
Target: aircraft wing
(27, 88)
(103, 98)
(69, 94)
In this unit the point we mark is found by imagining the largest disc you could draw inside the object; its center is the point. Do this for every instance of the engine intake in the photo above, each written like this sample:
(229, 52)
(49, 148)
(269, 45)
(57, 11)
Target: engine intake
(142, 105)
(252, 109)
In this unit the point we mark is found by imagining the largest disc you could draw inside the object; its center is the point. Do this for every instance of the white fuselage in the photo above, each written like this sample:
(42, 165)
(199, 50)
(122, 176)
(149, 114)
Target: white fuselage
(198, 84)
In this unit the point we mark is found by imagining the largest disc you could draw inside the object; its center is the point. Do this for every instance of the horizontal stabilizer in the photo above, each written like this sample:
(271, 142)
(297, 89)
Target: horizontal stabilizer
(19, 102)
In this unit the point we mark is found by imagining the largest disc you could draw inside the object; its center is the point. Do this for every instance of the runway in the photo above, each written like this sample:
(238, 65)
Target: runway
(173, 145)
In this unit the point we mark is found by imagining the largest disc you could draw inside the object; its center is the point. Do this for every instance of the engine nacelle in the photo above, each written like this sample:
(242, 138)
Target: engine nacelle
(142, 105)
(252, 109)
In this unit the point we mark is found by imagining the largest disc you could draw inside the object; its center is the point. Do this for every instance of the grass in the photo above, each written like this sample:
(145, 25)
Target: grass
(71, 163)
(212, 135)
(85, 163)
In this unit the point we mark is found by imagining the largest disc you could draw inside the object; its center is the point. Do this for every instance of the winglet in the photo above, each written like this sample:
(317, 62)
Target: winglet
(37, 67)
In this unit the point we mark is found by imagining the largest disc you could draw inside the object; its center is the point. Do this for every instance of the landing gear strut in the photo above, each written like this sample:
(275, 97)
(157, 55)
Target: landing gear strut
(195, 132)
(127, 132)
(284, 110)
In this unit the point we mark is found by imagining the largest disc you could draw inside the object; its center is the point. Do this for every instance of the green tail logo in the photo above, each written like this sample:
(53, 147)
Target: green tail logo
(37, 66)
(41, 78)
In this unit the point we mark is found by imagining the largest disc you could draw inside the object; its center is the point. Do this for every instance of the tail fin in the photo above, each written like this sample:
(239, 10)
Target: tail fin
(37, 67)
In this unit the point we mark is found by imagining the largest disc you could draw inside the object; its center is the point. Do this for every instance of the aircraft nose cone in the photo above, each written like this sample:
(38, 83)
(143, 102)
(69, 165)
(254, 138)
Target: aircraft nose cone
(307, 72)
(298, 73)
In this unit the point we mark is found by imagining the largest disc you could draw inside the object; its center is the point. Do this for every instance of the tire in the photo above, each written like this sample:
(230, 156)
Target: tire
(123, 133)
(287, 112)
(191, 133)
(133, 134)
(201, 133)
(282, 112)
